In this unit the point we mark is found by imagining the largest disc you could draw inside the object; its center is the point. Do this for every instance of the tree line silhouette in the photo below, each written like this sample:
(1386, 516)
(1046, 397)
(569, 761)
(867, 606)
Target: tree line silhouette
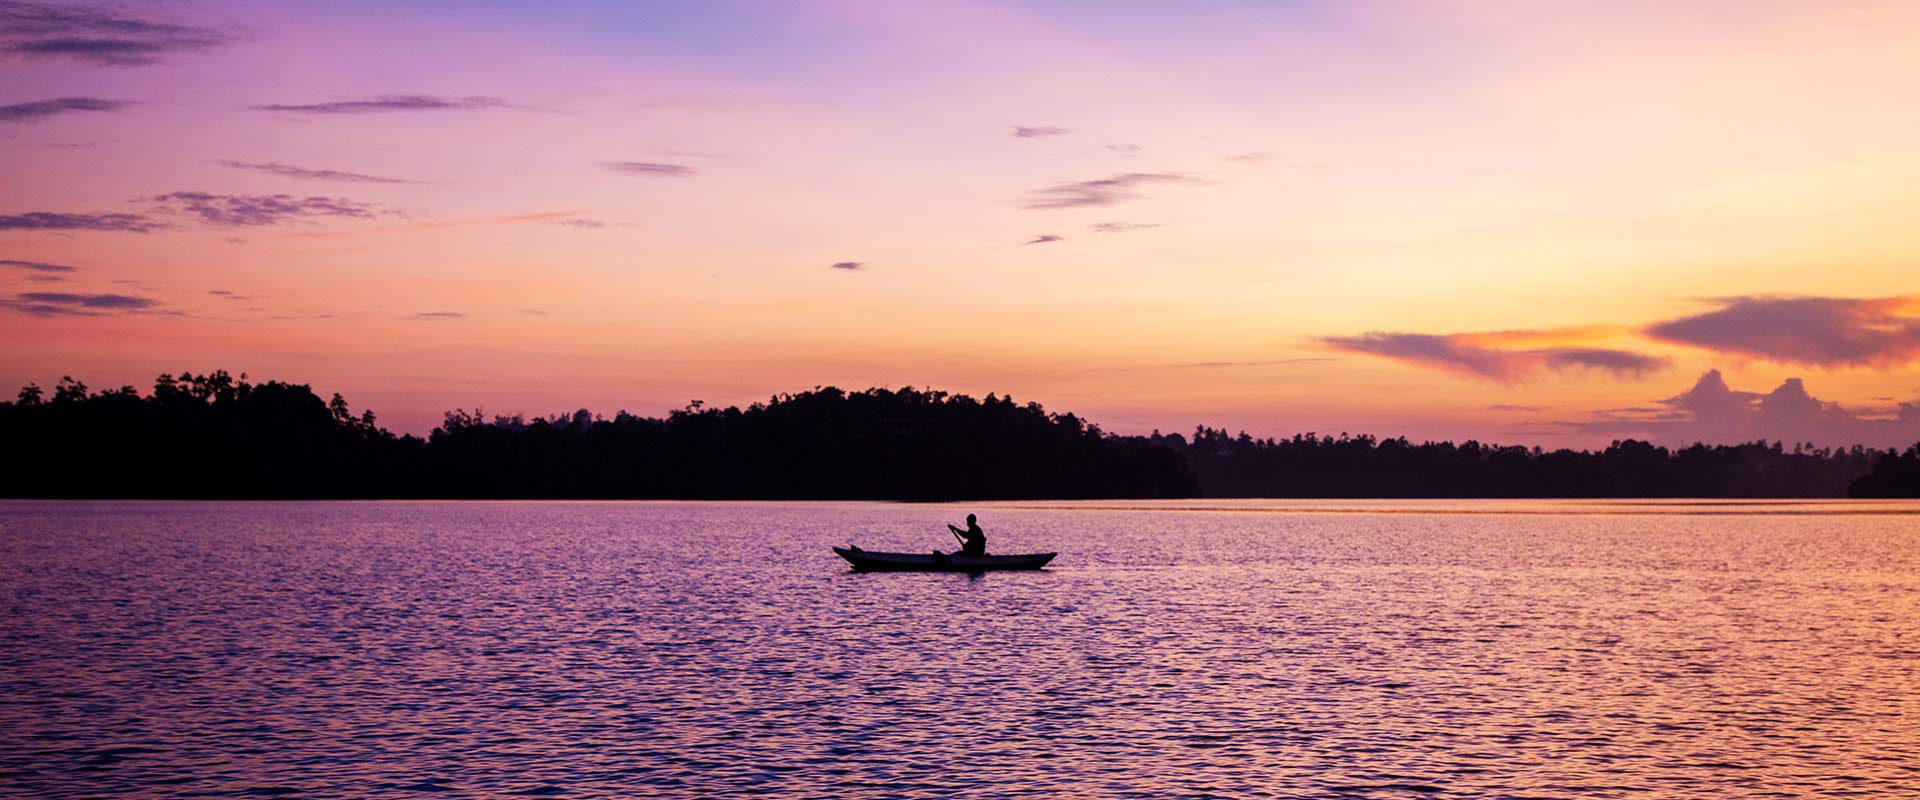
(218, 436)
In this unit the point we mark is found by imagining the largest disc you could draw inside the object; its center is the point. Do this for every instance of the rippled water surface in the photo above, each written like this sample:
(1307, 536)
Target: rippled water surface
(1184, 649)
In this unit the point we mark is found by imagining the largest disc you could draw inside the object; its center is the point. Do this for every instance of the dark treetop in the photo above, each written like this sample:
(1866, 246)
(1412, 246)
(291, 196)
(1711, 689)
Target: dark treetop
(215, 436)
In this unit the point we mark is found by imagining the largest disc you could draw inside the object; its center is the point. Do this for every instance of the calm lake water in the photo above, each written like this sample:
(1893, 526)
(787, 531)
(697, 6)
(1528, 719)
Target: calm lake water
(1179, 649)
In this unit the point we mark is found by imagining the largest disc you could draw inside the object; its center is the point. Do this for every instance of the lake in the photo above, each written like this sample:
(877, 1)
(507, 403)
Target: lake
(1272, 648)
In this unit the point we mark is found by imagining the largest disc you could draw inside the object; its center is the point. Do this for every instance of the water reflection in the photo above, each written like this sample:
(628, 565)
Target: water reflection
(1248, 649)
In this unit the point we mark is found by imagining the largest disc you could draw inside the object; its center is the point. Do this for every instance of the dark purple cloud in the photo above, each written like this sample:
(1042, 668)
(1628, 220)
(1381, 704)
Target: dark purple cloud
(64, 304)
(1045, 238)
(1038, 131)
(387, 103)
(55, 221)
(1812, 331)
(96, 34)
(1714, 412)
(1102, 192)
(37, 266)
(1121, 227)
(849, 265)
(649, 168)
(41, 109)
(289, 171)
(1480, 355)
(258, 210)
(118, 302)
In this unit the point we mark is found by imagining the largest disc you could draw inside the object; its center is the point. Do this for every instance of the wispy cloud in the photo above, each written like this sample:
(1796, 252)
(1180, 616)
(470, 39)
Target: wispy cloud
(1512, 409)
(581, 222)
(1038, 131)
(1125, 148)
(37, 266)
(1492, 356)
(259, 210)
(1045, 238)
(289, 171)
(849, 265)
(387, 104)
(98, 35)
(649, 168)
(1812, 331)
(228, 295)
(57, 221)
(41, 109)
(1620, 363)
(435, 315)
(63, 304)
(1102, 192)
(1121, 227)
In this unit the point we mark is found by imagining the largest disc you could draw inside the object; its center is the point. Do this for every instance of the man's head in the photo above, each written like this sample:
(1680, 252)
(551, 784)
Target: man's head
(969, 519)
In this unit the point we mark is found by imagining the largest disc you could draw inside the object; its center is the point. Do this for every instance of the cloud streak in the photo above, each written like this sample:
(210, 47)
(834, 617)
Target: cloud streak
(261, 210)
(37, 266)
(96, 35)
(1809, 331)
(1121, 227)
(1102, 192)
(1038, 131)
(1490, 356)
(389, 103)
(1046, 238)
(41, 109)
(649, 168)
(289, 171)
(64, 304)
(850, 266)
(58, 221)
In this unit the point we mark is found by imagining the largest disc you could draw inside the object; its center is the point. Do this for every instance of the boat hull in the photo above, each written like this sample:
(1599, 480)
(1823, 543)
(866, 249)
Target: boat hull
(870, 561)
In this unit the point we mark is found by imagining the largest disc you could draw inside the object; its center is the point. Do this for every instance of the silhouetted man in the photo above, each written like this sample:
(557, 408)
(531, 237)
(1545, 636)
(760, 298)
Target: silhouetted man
(973, 541)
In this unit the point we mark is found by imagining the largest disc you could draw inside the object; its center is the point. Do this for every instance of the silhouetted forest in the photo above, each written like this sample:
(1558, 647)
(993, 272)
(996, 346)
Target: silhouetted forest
(1362, 466)
(1892, 476)
(217, 436)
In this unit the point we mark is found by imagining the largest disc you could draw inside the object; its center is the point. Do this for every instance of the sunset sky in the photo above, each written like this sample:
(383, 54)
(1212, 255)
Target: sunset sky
(1538, 223)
